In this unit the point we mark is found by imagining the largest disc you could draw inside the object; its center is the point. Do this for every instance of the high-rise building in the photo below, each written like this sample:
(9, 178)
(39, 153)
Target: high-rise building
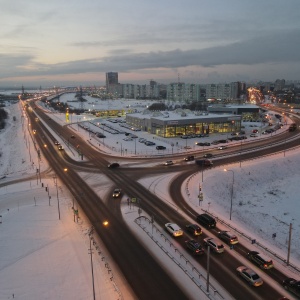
(112, 84)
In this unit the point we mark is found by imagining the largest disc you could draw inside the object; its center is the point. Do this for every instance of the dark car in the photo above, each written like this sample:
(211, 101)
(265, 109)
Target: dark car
(113, 165)
(160, 147)
(194, 229)
(206, 220)
(228, 237)
(292, 285)
(207, 155)
(189, 158)
(260, 260)
(73, 136)
(195, 247)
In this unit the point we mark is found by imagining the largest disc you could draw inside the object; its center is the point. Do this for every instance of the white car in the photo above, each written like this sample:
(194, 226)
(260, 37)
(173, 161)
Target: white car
(249, 275)
(215, 245)
(174, 229)
(168, 163)
(222, 147)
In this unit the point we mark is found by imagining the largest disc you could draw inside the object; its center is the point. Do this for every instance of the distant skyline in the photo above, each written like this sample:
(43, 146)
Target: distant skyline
(76, 43)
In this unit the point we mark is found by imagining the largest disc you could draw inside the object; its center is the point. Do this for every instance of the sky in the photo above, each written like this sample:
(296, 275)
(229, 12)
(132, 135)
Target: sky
(265, 190)
(58, 43)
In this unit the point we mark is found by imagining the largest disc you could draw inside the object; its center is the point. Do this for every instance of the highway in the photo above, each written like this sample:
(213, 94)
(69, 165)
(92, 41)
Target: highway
(146, 277)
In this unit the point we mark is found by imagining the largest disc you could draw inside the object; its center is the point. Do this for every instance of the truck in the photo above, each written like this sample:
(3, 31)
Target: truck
(204, 162)
(293, 127)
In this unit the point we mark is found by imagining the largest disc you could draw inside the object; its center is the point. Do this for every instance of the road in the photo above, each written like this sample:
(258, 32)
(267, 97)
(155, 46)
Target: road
(135, 261)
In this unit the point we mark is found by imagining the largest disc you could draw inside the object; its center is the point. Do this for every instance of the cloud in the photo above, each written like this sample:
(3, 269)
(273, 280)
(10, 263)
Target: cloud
(280, 47)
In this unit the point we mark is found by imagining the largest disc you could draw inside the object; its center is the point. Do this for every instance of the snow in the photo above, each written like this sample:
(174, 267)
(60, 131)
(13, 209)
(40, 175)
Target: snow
(43, 257)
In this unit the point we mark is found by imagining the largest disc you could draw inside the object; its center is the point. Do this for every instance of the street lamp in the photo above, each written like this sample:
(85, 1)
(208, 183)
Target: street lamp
(231, 191)
(55, 183)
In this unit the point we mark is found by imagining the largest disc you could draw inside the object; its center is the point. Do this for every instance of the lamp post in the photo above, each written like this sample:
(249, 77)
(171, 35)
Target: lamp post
(91, 253)
(231, 191)
(55, 183)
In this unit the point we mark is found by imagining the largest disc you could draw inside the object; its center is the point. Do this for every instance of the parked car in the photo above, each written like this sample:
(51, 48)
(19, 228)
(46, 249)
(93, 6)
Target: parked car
(149, 143)
(195, 247)
(255, 131)
(206, 220)
(194, 229)
(168, 163)
(228, 237)
(116, 193)
(174, 229)
(207, 155)
(253, 135)
(189, 158)
(249, 275)
(142, 140)
(292, 285)
(259, 259)
(215, 245)
(113, 165)
(160, 147)
(73, 136)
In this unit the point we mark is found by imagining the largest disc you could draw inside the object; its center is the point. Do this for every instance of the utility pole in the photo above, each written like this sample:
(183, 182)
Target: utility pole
(289, 245)
(91, 253)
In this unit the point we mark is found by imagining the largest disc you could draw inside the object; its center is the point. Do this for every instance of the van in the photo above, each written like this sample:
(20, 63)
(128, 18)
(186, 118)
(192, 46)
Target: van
(206, 220)
(204, 162)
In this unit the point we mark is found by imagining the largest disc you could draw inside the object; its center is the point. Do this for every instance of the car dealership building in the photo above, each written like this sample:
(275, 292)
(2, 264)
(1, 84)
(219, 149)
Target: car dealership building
(186, 122)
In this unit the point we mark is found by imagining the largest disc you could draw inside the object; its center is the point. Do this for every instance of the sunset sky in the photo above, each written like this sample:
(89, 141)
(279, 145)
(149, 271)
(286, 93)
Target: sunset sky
(46, 43)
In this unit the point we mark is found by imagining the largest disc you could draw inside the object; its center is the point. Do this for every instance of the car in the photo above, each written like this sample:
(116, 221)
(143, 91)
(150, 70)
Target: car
(206, 144)
(60, 147)
(255, 131)
(168, 163)
(56, 143)
(189, 158)
(149, 143)
(222, 147)
(113, 165)
(73, 136)
(160, 147)
(142, 140)
(200, 144)
(195, 247)
(228, 237)
(174, 229)
(206, 220)
(259, 259)
(292, 285)
(253, 135)
(249, 275)
(194, 229)
(215, 245)
(207, 155)
(116, 193)
(127, 139)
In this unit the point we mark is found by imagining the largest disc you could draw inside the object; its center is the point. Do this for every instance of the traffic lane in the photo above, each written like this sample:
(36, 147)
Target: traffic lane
(143, 273)
(222, 267)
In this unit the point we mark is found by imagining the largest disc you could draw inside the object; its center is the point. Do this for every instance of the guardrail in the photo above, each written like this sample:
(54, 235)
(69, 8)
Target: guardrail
(253, 241)
(178, 257)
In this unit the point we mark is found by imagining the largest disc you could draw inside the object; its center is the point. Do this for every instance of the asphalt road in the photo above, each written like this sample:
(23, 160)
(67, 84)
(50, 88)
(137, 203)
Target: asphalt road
(143, 273)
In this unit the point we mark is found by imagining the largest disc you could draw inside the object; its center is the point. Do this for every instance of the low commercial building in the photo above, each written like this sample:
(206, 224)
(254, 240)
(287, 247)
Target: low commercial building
(183, 122)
